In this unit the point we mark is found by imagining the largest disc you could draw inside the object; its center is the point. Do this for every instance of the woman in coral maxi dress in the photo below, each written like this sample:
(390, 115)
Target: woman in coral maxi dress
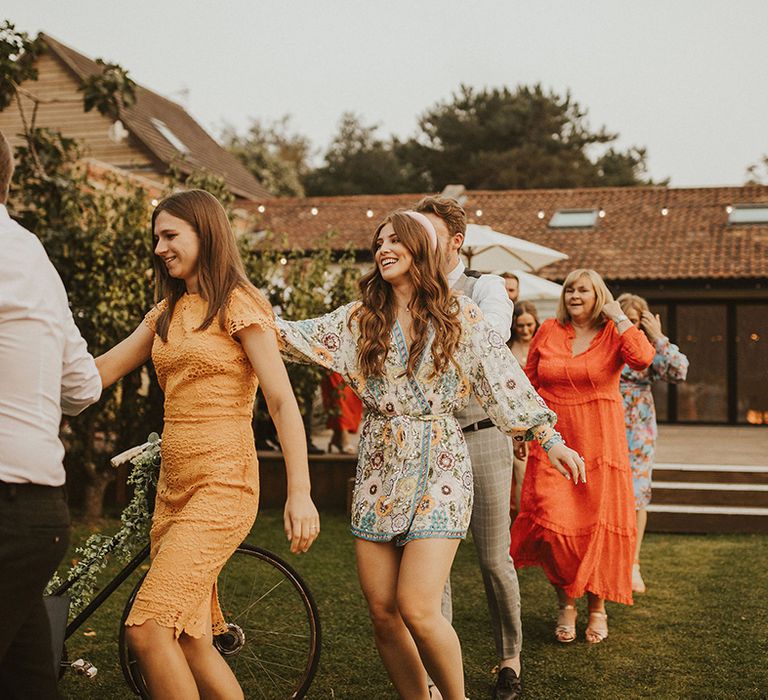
(584, 537)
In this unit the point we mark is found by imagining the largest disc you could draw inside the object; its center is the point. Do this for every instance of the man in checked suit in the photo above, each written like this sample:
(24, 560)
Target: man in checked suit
(490, 454)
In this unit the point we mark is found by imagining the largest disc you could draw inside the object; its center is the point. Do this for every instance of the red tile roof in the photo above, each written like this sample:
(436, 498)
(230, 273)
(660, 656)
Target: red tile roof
(204, 152)
(632, 241)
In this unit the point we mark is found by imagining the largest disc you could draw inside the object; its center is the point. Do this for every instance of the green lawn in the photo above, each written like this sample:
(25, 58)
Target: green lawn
(701, 631)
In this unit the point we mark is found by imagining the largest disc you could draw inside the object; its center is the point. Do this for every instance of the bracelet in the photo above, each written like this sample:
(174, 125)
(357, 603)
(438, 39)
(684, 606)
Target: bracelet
(556, 439)
(621, 318)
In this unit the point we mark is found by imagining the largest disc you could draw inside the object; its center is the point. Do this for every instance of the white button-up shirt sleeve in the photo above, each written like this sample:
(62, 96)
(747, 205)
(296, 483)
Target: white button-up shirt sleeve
(45, 367)
(80, 380)
(490, 294)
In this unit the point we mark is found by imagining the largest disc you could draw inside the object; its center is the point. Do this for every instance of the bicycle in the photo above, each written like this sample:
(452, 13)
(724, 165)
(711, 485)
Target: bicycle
(273, 638)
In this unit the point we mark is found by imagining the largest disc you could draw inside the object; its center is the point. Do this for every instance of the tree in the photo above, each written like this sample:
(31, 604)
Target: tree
(757, 173)
(500, 139)
(358, 162)
(277, 158)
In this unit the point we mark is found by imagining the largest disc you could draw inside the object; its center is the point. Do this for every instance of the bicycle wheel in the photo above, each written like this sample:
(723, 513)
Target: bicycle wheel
(273, 641)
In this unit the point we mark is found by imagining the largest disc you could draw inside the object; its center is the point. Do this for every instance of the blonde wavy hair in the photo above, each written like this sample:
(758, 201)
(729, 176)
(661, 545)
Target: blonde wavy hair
(633, 301)
(432, 303)
(602, 296)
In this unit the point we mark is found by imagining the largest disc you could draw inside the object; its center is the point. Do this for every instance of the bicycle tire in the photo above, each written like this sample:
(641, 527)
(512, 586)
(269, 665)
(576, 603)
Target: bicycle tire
(276, 595)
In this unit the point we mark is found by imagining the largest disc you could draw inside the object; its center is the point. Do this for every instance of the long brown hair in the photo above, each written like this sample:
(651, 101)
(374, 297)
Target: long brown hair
(432, 303)
(220, 269)
(521, 308)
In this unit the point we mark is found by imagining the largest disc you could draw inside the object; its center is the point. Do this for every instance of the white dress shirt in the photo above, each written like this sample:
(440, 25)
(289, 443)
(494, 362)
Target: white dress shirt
(45, 367)
(490, 294)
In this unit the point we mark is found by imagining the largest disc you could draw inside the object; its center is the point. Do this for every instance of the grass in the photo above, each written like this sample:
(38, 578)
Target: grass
(701, 631)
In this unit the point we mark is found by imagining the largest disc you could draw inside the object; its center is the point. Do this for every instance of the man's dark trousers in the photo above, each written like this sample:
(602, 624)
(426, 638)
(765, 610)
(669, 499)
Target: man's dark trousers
(34, 533)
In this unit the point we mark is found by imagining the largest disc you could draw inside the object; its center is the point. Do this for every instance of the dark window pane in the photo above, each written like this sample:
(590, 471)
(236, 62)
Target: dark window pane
(661, 389)
(701, 336)
(752, 363)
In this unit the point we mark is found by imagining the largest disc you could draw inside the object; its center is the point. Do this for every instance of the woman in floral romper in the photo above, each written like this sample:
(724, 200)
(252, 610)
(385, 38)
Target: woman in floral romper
(669, 365)
(414, 353)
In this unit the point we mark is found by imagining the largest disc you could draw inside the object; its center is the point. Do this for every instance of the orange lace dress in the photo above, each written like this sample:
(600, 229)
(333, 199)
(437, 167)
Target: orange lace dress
(208, 489)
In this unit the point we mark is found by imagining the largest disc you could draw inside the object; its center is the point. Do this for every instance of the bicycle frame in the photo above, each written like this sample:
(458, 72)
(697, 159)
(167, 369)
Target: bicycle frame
(107, 591)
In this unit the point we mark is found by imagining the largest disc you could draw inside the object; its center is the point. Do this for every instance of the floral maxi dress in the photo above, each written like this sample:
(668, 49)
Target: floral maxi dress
(414, 478)
(669, 365)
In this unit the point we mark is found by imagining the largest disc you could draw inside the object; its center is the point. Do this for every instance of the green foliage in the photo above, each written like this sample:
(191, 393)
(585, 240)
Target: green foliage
(277, 158)
(98, 550)
(301, 287)
(358, 162)
(108, 90)
(18, 54)
(527, 138)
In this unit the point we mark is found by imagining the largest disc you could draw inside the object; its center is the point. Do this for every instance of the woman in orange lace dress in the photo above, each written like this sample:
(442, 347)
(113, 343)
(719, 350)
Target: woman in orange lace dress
(584, 537)
(212, 340)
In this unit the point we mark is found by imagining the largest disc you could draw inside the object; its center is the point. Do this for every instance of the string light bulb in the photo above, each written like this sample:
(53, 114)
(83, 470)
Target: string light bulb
(540, 214)
(313, 211)
(262, 208)
(479, 212)
(601, 213)
(664, 211)
(369, 213)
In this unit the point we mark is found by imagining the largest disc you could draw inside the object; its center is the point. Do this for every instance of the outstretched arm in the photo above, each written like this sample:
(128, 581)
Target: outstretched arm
(301, 520)
(126, 356)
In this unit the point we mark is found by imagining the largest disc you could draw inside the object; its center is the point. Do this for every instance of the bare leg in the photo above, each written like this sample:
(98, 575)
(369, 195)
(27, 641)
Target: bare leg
(638, 585)
(214, 677)
(424, 570)
(565, 631)
(162, 662)
(378, 566)
(597, 629)
(518, 467)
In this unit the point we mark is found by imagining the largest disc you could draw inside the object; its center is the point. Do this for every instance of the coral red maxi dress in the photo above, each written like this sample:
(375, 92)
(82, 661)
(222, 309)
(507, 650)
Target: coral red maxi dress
(583, 536)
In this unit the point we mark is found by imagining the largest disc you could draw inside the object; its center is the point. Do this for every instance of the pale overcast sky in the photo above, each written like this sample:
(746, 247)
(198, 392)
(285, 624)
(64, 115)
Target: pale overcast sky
(681, 77)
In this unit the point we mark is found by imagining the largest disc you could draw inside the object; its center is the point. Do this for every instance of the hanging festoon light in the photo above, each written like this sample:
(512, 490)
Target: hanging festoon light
(313, 211)
(540, 214)
(478, 212)
(261, 208)
(601, 213)
(664, 211)
(369, 213)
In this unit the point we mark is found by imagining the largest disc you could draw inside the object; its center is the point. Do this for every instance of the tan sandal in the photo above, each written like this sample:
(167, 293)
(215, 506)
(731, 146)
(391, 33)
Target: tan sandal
(594, 633)
(565, 634)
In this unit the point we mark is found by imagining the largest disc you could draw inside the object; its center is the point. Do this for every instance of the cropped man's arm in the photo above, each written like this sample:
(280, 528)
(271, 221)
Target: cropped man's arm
(490, 295)
(80, 380)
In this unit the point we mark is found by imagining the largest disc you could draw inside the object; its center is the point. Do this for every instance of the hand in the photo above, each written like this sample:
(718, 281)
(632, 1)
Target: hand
(612, 310)
(651, 325)
(568, 462)
(301, 522)
(521, 450)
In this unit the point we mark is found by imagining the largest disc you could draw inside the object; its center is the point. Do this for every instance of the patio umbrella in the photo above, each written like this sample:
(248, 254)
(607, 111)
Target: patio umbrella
(485, 249)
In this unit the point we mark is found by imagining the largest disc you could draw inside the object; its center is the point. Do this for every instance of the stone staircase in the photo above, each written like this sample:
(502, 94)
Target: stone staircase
(709, 498)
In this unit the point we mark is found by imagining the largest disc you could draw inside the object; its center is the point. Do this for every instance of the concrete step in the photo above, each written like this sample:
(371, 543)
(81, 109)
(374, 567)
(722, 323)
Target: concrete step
(706, 498)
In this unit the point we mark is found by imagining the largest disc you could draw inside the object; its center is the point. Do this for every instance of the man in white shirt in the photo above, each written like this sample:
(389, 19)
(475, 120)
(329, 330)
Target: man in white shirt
(45, 369)
(490, 455)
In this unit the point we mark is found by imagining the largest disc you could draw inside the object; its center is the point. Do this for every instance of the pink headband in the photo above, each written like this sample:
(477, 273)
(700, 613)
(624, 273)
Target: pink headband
(426, 223)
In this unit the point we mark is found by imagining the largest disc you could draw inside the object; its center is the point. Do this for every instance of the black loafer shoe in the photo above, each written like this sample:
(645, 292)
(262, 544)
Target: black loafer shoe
(508, 685)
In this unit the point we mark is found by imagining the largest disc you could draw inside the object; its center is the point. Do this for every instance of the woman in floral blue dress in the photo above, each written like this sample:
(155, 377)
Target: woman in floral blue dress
(414, 352)
(669, 365)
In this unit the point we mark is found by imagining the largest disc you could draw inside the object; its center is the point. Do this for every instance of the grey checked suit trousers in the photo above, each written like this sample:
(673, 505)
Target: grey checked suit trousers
(491, 457)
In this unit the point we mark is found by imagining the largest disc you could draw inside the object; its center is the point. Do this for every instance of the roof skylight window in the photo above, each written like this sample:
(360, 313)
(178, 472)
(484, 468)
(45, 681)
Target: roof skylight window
(169, 136)
(574, 218)
(748, 214)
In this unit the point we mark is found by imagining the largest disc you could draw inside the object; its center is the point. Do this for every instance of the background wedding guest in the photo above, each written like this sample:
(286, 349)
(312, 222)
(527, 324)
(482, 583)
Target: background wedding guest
(45, 370)
(344, 409)
(525, 323)
(512, 285)
(583, 538)
(669, 365)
